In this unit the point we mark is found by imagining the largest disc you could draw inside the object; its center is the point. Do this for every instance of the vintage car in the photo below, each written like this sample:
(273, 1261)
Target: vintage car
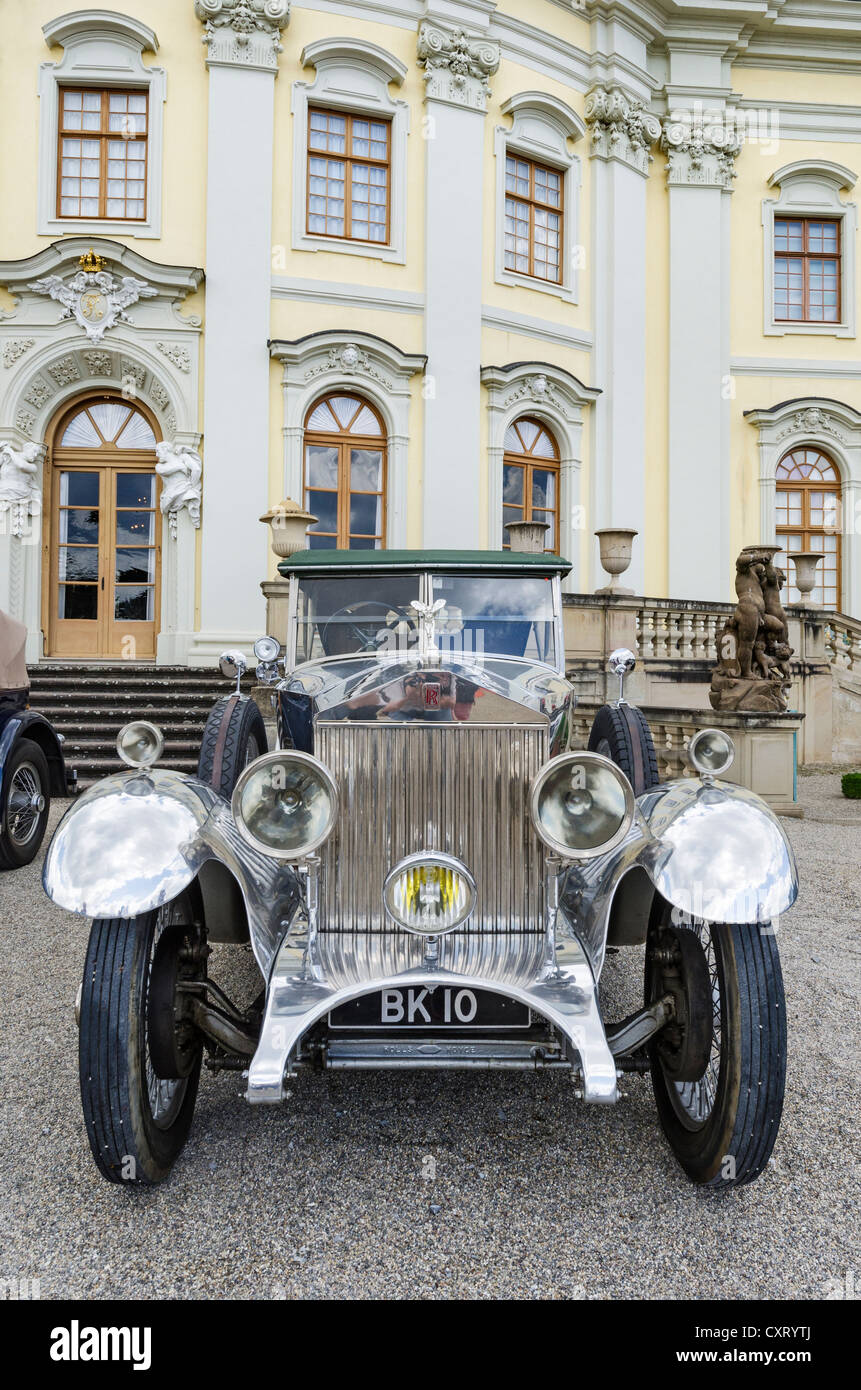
(429, 875)
(32, 766)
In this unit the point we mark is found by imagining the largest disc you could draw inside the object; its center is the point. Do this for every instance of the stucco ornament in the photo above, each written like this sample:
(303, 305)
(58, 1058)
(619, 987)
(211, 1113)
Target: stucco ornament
(243, 31)
(180, 468)
(15, 348)
(621, 127)
(700, 150)
(19, 484)
(457, 65)
(811, 421)
(753, 650)
(93, 297)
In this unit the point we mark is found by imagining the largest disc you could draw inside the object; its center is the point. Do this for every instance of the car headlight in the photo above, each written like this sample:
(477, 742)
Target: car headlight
(140, 743)
(711, 752)
(286, 804)
(582, 805)
(429, 893)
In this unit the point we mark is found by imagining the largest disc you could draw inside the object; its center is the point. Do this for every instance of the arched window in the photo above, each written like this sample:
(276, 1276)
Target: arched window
(808, 518)
(345, 474)
(530, 479)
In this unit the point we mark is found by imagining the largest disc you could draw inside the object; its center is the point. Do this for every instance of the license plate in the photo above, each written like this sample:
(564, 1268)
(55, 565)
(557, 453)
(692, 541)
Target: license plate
(443, 1006)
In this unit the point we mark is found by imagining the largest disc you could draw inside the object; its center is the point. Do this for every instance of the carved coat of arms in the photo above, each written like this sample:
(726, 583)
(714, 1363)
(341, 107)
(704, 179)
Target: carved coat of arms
(93, 297)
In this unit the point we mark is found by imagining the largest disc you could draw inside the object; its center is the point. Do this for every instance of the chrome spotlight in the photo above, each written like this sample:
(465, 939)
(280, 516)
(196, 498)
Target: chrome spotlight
(267, 650)
(621, 662)
(710, 752)
(286, 804)
(582, 805)
(140, 744)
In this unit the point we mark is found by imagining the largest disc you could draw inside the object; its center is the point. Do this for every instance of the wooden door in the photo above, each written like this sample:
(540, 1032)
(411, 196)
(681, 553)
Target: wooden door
(102, 548)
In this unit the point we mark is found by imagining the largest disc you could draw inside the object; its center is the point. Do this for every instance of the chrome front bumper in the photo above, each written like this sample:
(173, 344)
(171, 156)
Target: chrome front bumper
(314, 973)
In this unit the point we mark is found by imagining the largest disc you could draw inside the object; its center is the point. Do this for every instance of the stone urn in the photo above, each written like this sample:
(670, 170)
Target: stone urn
(616, 543)
(805, 562)
(527, 535)
(289, 524)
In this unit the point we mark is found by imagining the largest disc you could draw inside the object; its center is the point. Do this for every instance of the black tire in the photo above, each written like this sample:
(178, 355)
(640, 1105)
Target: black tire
(132, 1140)
(621, 733)
(22, 825)
(238, 724)
(722, 1128)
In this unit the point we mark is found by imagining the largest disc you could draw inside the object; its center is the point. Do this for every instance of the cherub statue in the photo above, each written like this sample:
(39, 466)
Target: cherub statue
(19, 486)
(749, 610)
(179, 468)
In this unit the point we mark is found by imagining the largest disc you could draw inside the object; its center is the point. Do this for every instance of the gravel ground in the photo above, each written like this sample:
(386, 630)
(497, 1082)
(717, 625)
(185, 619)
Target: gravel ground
(534, 1195)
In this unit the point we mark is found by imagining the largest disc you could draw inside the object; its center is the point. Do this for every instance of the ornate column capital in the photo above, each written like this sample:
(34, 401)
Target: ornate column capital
(457, 65)
(701, 150)
(243, 33)
(621, 127)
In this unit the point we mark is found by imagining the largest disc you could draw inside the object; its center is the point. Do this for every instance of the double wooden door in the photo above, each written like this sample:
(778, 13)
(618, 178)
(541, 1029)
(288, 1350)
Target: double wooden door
(102, 545)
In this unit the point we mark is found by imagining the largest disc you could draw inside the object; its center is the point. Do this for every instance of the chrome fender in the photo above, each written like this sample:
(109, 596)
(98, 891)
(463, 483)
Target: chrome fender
(134, 841)
(717, 852)
(129, 844)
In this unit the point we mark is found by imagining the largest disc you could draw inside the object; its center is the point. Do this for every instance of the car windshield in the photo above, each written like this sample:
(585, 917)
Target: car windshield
(340, 617)
(503, 615)
(498, 616)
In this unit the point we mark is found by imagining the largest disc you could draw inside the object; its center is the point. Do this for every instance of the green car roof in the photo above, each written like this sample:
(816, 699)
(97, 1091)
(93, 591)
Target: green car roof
(443, 561)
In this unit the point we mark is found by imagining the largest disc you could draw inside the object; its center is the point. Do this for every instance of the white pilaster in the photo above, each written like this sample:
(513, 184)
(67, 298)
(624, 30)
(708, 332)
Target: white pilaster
(699, 176)
(622, 133)
(457, 66)
(242, 43)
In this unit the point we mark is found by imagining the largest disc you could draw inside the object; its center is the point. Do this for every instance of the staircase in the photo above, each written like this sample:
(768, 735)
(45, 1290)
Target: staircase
(88, 705)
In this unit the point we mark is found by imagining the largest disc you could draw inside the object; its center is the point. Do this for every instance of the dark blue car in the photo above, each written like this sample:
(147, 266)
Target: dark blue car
(32, 767)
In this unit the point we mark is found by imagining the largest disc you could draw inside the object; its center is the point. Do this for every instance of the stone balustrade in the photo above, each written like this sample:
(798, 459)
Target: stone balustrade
(843, 642)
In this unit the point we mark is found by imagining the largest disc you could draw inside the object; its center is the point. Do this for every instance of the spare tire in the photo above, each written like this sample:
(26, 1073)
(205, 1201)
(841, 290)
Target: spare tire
(233, 737)
(621, 733)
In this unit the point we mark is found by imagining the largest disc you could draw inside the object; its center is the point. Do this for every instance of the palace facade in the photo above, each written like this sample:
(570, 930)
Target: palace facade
(427, 267)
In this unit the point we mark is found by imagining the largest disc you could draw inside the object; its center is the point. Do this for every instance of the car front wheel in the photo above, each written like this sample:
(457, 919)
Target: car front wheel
(719, 1067)
(139, 1059)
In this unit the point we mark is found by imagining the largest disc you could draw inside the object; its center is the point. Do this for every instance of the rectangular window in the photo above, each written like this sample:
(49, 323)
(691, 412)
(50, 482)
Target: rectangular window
(349, 166)
(102, 155)
(806, 270)
(533, 219)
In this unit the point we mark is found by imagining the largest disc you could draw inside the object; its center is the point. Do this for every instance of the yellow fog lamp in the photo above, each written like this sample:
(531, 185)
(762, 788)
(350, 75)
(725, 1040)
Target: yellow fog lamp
(429, 894)
(582, 805)
(140, 743)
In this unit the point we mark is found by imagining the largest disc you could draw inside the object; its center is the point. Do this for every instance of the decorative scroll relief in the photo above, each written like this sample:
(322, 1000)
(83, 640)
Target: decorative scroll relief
(180, 468)
(95, 299)
(538, 389)
(457, 66)
(19, 485)
(176, 354)
(349, 360)
(700, 154)
(15, 348)
(244, 32)
(811, 421)
(621, 127)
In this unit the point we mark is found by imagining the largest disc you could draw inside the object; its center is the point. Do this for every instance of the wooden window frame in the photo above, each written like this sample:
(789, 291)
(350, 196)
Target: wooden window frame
(529, 463)
(103, 135)
(805, 486)
(344, 442)
(805, 256)
(348, 160)
(531, 202)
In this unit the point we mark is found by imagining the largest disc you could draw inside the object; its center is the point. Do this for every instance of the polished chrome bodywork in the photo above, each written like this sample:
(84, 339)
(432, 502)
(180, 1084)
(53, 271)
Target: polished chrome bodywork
(430, 753)
(429, 787)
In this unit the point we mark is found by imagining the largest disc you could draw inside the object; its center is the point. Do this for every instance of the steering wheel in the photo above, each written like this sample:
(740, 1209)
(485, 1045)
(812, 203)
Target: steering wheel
(338, 637)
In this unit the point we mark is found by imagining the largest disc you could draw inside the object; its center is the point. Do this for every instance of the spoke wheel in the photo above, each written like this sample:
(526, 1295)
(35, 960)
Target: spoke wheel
(137, 1118)
(719, 1068)
(25, 804)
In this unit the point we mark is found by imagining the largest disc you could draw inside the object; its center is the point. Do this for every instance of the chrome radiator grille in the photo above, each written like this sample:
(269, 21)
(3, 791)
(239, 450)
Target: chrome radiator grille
(455, 788)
